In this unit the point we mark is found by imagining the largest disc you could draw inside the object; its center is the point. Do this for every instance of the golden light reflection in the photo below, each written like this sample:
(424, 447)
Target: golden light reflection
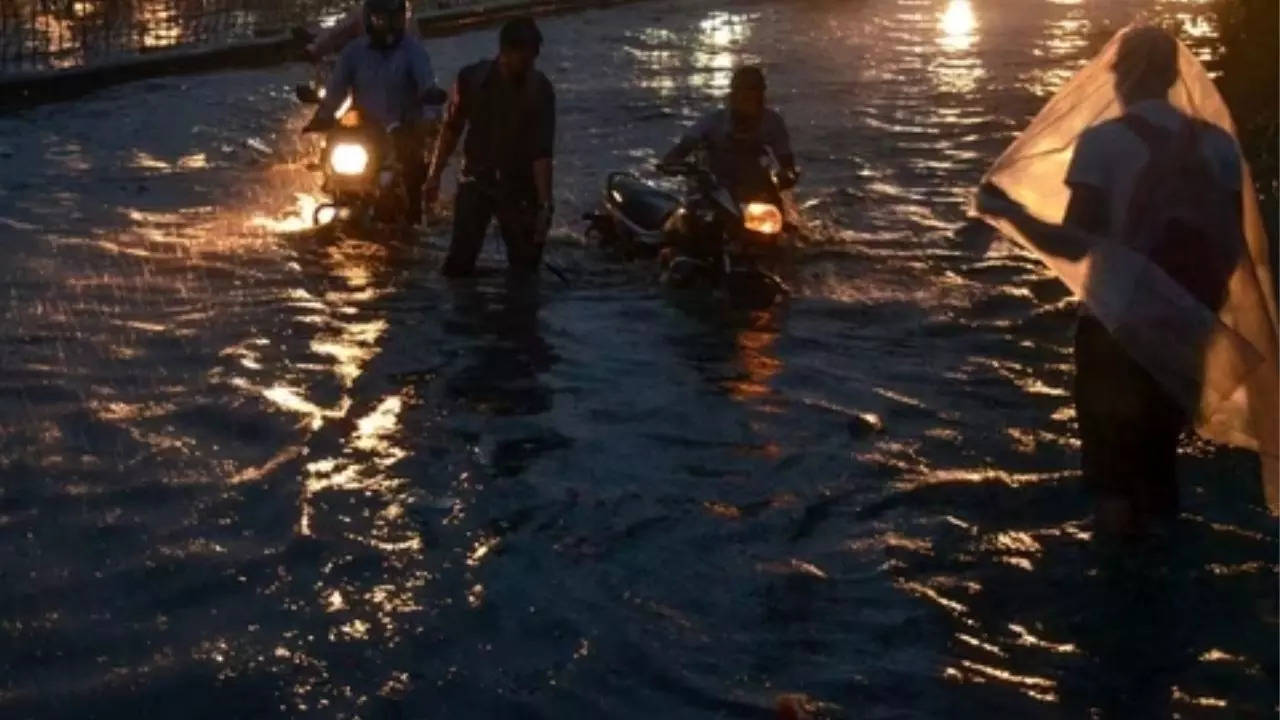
(1026, 639)
(374, 429)
(723, 29)
(351, 347)
(759, 364)
(955, 608)
(958, 75)
(292, 400)
(301, 218)
(481, 549)
(981, 645)
(958, 26)
(1198, 700)
(1039, 688)
(1216, 655)
(720, 34)
(364, 470)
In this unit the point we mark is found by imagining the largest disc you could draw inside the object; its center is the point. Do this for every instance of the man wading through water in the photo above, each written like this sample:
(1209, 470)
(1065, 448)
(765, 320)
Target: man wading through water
(1174, 325)
(507, 109)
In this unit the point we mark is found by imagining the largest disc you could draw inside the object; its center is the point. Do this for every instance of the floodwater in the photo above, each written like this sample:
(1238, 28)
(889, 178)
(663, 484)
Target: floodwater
(249, 472)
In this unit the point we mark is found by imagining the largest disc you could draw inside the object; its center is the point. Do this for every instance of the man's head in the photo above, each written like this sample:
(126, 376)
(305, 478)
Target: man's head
(384, 21)
(1146, 65)
(746, 96)
(519, 44)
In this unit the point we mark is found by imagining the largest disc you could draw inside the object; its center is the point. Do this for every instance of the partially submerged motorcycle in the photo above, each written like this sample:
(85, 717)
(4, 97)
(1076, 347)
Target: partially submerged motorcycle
(361, 174)
(706, 240)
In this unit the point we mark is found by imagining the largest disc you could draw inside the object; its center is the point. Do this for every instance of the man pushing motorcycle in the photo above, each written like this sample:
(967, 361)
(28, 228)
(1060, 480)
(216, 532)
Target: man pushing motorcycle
(736, 137)
(739, 142)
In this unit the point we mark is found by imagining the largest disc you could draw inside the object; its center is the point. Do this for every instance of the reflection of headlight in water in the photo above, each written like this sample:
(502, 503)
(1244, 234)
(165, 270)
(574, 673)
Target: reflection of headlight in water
(348, 159)
(761, 217)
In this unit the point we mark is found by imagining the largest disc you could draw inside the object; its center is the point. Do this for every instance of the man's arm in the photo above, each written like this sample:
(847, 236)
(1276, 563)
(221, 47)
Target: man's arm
(545, 150)
(781, 142)
(543, 162)
(334, 94)
(1087, 210)
(688, 142)
(451, 129)
(1071, 241)
(424, 77)
(680, 151)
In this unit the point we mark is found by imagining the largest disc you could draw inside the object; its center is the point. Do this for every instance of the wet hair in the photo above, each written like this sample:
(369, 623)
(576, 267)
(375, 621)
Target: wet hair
(1146, 61)
(748, 77)
(522, 33)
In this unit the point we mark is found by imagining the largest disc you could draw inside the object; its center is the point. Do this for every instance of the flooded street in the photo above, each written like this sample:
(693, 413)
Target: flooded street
(253, 472)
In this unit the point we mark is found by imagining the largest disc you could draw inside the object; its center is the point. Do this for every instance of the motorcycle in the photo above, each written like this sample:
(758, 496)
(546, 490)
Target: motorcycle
(361, 174)
(707, 240)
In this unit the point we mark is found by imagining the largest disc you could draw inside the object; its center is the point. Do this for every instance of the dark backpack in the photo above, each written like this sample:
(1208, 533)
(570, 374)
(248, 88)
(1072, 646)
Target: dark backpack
(1180, 215)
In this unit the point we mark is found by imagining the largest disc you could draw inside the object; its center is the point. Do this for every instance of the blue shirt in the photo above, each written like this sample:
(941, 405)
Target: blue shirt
(387, 84)
(733, 157)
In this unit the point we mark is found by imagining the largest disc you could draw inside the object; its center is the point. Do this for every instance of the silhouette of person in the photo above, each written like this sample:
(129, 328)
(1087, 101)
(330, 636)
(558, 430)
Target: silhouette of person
(1120, 187)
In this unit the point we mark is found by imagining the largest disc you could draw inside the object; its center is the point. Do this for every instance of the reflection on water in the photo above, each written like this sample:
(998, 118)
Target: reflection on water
(959, 70)
(720, 35)
(701, 57)
(957, 26)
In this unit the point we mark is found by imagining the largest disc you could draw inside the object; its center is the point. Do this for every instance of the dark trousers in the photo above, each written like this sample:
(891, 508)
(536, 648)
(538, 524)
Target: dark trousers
(410, 146)
(474, 209)
(1129, 426)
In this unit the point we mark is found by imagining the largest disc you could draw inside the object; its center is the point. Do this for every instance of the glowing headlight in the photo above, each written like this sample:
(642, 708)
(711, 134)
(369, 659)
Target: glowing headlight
(326, 214)
(761, 217)
(348, 159)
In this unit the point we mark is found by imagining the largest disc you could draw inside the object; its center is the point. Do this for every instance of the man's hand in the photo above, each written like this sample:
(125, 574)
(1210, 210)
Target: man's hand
(319, 122)
(993, 201)
(542, 223)
(431, 191)
(788, 177)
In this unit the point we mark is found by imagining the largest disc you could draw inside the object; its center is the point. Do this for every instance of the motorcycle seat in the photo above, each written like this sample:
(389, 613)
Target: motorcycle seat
(645, 206)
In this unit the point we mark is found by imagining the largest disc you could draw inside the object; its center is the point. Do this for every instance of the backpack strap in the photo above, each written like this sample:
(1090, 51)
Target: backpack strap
(1171, 146)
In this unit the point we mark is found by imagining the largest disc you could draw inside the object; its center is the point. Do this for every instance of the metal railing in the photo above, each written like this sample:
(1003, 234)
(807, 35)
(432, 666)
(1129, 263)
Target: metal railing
(52, 34)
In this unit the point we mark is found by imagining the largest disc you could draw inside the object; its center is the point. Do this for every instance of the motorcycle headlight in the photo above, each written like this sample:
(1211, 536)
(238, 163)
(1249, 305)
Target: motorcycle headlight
(761, 217)
(348, 159)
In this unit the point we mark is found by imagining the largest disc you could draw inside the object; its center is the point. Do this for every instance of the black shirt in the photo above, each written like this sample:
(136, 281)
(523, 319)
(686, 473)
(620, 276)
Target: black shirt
(508, 126)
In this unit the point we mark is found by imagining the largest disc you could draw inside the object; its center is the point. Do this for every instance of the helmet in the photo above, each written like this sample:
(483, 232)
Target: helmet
(384, 21)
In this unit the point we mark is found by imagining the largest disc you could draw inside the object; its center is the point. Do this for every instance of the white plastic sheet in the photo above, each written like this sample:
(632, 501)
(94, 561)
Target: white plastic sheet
(1221, 363)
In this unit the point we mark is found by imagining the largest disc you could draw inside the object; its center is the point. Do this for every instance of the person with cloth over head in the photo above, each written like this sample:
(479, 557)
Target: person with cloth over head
(1130, 185)
(507, 110)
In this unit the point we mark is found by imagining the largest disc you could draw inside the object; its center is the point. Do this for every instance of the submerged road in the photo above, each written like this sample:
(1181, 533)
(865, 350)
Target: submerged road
(251, 473)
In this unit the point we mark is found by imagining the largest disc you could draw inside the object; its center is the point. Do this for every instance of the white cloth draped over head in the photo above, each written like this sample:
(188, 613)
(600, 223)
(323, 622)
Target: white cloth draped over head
(1220, 363)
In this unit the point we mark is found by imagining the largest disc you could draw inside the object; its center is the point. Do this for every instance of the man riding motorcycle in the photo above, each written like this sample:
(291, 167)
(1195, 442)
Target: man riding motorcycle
(389, 76)
(736, 136)
(734, 139)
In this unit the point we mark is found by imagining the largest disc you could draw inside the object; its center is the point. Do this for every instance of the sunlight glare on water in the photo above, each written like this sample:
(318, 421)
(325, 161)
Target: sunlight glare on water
(958, 25)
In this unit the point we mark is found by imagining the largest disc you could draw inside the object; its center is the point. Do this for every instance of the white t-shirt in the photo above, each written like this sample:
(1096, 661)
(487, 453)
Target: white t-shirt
(1110, 157)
